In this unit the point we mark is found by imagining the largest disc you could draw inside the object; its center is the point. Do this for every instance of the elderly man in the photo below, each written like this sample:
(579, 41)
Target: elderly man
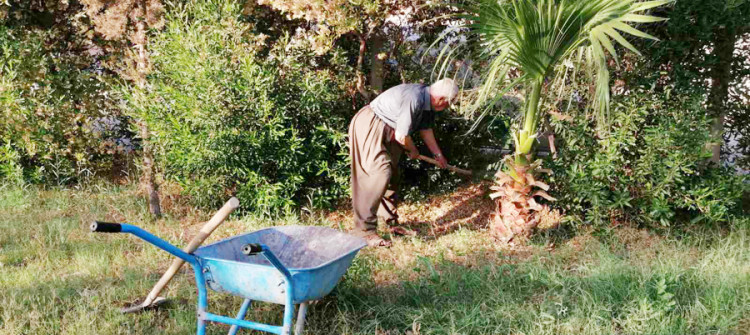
(378, 134)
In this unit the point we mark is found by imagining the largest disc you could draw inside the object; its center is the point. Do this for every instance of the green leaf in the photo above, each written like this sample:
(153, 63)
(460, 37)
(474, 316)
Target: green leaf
(602, 38)
(641, 18)
(615, 35)
(632, 31)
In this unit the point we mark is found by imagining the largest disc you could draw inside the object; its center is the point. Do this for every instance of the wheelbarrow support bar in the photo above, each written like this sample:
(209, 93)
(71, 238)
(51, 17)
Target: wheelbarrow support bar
(255, 248)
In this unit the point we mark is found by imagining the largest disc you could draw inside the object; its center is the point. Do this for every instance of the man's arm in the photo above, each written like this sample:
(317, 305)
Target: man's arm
(429, 138)
(408, 144)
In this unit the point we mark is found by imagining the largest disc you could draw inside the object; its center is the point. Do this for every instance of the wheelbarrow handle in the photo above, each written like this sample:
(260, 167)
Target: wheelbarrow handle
(105, 227)
(257, 248)
(252, 249)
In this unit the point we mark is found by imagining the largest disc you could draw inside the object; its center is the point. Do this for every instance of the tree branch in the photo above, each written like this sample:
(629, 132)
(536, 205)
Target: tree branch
(360, 63)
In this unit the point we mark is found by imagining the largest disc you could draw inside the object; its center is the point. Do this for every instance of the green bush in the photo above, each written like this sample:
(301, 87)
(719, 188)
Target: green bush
(57, 121)
(649, 166)
(226, 120)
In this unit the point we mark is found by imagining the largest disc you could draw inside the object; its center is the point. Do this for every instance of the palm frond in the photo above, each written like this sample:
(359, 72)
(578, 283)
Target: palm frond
(536, 36)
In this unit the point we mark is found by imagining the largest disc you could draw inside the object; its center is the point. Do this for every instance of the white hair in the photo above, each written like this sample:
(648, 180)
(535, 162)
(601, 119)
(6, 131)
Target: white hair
(445, 88)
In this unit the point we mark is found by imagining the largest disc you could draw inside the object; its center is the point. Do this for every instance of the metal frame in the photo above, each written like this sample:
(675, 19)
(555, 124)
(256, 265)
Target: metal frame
(203, 314)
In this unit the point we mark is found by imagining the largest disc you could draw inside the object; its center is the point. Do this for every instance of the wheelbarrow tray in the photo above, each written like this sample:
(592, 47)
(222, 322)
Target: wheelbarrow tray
(316, 257)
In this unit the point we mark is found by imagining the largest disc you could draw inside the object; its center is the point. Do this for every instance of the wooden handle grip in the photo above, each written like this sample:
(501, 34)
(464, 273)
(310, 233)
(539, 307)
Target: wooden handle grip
(205, 231)
(450, 167)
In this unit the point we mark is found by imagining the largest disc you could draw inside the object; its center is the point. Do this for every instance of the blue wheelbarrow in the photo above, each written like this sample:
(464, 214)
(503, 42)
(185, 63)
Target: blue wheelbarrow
(287, 265)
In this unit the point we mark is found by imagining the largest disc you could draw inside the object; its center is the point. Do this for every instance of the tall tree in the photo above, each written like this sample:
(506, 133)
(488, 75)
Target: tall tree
(129, 21)
(369, 21)
(703, 54)
(535, 37)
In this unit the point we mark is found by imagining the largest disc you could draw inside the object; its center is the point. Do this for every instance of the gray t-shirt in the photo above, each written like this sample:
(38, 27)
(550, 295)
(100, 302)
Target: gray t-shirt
(406, 108)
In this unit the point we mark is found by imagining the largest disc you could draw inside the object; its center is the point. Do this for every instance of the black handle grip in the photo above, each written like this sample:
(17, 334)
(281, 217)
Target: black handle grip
(252, 249)
(105, 227)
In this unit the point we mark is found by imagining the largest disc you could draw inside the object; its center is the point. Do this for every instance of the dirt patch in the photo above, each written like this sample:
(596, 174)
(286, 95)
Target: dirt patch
(467, 207)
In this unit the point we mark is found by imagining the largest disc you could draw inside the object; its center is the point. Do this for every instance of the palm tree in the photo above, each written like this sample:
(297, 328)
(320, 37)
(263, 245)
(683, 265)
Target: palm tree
(535, 37)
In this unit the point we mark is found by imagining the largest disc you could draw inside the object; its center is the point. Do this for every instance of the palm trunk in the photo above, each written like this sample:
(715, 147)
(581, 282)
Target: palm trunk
(517, 213)
(532, 108)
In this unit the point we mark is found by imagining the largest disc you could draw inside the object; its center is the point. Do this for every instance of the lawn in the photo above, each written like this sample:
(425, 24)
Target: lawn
(58, 278)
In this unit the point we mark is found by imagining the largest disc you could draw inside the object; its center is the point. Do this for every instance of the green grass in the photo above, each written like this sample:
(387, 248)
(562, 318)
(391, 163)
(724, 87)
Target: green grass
(57, 278)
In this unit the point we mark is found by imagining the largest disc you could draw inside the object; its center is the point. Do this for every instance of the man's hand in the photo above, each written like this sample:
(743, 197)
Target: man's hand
(429, 138)
(409, 147)
(442, 162)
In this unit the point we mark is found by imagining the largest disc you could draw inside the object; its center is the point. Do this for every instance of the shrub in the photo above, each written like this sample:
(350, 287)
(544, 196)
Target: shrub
(58, 122)
(225, 120)
(649, 166)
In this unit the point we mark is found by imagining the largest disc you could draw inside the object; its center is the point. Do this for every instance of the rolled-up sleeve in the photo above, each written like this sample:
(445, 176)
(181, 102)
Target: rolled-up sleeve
(428, 121)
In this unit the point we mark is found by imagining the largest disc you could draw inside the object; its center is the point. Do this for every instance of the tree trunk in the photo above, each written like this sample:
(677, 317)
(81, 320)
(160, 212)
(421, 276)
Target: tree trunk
(360, 65)
(376, 64)
(149, 171)
(149, 174)
(721, 77)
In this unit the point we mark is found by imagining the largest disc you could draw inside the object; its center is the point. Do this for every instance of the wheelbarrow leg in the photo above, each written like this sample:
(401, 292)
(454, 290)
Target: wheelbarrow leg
(288, 314)
(200, 281)
(254, 248)
(299, 326)
(240, 316)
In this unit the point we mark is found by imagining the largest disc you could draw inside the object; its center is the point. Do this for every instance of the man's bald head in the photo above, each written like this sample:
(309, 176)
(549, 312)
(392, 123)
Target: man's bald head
(442, 93)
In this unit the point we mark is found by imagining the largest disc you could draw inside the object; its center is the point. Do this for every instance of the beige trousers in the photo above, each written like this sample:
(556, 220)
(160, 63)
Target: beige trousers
(374, 153)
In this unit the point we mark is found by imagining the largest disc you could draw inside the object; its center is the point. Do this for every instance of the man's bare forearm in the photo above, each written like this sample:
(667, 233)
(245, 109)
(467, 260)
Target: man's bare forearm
(408, 144)
(429, 139)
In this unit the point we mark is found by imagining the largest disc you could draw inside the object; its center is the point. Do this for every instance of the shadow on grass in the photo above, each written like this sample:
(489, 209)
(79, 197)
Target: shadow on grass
(540, 295)
(469, 212)
(533, 297)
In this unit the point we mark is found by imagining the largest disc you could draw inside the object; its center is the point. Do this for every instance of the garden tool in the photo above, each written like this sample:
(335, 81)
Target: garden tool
(450, 167)
(153, 299)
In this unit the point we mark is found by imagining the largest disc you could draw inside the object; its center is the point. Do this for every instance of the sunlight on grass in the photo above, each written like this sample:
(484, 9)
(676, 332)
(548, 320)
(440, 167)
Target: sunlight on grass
(60, 279)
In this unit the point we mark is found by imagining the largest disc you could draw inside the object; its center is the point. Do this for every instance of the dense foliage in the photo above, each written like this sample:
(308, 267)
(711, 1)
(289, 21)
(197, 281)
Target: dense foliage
(649, 166)
(240, 99)
(58, 122)
(704, 49)
(224, 120)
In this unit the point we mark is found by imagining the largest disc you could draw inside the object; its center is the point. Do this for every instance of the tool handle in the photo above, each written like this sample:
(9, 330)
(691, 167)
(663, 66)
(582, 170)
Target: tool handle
(202, 235)
(105, 227)
(252, 249)
(450, 167)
